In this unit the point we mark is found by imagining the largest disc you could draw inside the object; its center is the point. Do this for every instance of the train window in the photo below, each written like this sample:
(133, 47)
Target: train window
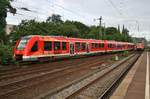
(47, 45)
(56, 45)
(34, 47)
(77, 44)
(93, 45)
(23, 43)
(101, 45)
(112, 45)
(96, 45)
(108, 45)
(118, 46)
(83, 46)
(124, 46)
(64, 46)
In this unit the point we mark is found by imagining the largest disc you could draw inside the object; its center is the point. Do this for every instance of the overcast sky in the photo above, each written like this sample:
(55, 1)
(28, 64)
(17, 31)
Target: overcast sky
(131, 13)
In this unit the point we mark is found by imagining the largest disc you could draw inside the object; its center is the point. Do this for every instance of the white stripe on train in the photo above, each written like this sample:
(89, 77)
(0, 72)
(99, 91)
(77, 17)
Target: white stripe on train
(35, 57)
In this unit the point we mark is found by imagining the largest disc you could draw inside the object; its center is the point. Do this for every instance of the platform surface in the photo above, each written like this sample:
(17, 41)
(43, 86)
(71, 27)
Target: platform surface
(136, 83)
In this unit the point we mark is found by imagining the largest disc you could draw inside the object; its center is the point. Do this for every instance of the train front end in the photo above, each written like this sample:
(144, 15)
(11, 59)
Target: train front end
(20, 49)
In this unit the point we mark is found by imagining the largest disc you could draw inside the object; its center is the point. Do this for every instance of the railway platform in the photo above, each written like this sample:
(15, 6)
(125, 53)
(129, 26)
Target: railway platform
(135, 85)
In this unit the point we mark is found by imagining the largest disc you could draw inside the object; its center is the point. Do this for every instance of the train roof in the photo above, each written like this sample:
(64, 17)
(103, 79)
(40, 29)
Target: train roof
(67, 39)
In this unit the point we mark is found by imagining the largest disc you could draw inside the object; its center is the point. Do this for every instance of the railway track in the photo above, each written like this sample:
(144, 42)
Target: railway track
(9, 88)
(44, 66)
(19, 87)
(82, 89)
(27, 67)
(13, 77)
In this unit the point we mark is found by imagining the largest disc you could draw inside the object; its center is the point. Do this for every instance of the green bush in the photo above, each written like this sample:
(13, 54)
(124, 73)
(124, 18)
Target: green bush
(125, 53)
(6, 54)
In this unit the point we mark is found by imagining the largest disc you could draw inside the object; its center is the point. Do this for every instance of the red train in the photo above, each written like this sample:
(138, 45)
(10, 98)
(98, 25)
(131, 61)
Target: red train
(140, 46)
(36, 47)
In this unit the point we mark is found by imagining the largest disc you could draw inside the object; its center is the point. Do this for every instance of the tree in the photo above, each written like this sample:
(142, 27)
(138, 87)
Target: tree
(93, 33)
(69, 29)
(55, 18)
(119, 29)
(30, 27)
(55, 26)
(5, 6)
(111, 31)
(125, 32)
(83, 29)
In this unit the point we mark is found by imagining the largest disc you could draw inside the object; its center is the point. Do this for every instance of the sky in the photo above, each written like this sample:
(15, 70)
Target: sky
(134, 14)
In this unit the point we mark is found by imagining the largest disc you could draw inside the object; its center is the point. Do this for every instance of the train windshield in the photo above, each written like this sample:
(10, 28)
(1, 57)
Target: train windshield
(23, 43)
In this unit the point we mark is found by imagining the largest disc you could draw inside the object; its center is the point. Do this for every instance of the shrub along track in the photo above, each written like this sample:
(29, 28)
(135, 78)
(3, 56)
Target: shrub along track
(41, 82)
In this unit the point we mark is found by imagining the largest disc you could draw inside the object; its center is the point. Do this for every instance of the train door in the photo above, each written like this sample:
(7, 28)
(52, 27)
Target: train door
(105, 45)
(71, 48)
(87, 47)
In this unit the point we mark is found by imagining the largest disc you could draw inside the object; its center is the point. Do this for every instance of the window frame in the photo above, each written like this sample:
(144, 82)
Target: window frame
(49, 47)
(93, 45)
(83, 45)
(101, 45)
(78, 46)
(59, 47)
(96, 45)
(64, 47)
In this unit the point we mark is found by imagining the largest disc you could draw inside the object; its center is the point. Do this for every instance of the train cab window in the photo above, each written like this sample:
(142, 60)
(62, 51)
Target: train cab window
(47, 45)
(23, 43)
(64, 46)
(34, 47)
(56, 45)
(77, 44)
(83, 46)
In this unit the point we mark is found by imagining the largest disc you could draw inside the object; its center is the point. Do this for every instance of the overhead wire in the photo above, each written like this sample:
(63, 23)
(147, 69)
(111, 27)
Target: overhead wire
(59, 6)
(33, 10)
(115, 7)
(120, 10)
(68, 10)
